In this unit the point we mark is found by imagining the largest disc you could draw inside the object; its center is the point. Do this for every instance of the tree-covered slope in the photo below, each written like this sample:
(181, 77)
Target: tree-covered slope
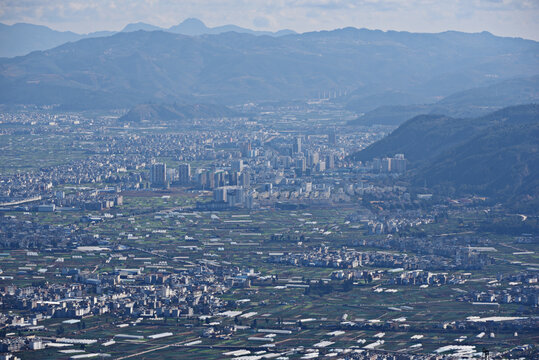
(424, 137)
(496, 155)
(502, 161)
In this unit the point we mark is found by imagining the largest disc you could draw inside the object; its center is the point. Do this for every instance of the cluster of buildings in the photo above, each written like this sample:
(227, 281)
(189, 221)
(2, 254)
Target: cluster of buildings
(123, 293)
(244, 162)
(395, 224)
(346, 258)
(279, 170)
(48, 186)
(520, 288)
(447, 253)
(247, 164)
(421, 277)
(21, 234)
(396, 164)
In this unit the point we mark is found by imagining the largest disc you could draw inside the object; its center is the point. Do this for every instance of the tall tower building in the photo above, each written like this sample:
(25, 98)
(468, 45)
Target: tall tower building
(330, 161)
(297, 145)
(246, 149)
(398, 163)
(202, 179)
(158, 174)
(301, 164)
(313, 158)
(245, 179)
(219, 194)
(185, 174)
(332, 137)
(386, 164)
(237, 165)
(210, 179)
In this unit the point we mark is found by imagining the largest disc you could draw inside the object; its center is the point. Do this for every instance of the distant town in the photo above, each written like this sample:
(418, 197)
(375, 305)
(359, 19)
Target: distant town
(253, 237)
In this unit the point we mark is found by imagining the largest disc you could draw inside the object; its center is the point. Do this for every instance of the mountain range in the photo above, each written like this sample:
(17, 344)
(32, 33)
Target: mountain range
(468, 103)
(496, 155)
(129, 68)
(21, 39)
(195, 27)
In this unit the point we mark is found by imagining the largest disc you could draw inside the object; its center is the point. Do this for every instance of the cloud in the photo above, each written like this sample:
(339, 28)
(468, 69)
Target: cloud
(501, 17)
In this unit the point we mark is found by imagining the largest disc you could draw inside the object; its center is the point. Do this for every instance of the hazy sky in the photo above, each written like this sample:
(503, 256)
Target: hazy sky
(501, 17)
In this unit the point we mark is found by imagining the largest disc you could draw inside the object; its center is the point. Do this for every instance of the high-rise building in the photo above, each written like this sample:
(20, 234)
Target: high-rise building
(313, 158)
(237, 165)
(185, 174)
(202, 179)
(219, 178)
(245, 179)
(219, 194)
(158, 174)
(301, 164)
(172, 175)
(330, 161)
(398, 163)
(286, 160)
(376, 164)
(206, 179)
(249, 200)
(233, 177)
(246, 149)
(386, 165)
(332, 137)
(297, 145)
(235, 196)
(210, 180)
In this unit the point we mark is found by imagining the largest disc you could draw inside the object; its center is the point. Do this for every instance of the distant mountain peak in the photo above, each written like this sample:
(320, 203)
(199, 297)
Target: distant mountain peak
(193, 21)
(140, 26)
(190, 26)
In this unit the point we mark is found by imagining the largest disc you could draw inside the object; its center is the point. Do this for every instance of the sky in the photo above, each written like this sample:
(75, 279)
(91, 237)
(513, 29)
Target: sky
(516, 18)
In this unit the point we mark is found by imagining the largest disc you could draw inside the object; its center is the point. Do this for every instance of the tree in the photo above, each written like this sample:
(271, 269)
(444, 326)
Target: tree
(60, 330)
(348, 284)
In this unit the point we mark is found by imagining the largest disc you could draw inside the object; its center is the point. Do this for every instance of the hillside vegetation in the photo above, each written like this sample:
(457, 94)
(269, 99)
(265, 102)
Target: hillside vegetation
(496, 155)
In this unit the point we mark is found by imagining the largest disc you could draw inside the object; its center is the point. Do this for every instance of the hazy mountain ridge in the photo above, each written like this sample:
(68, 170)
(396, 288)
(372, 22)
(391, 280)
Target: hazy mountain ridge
(22, 38)
(156, 113)
(193, 27)
(468, 103)
(136, 67)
